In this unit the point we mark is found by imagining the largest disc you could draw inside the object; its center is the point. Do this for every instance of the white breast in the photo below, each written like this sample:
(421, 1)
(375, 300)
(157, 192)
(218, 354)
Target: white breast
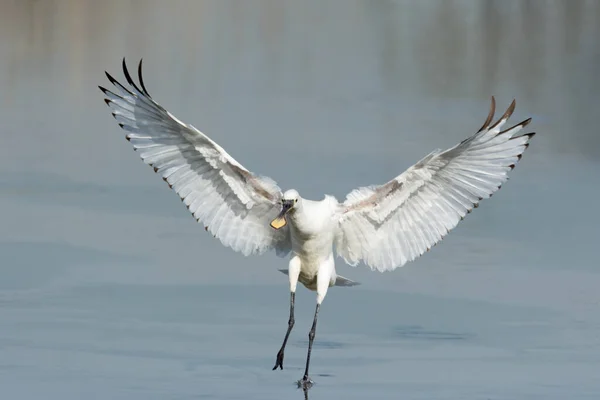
(312, 230)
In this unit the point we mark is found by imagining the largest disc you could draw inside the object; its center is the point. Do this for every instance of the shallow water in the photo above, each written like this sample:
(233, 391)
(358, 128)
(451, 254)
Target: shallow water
(109, 289)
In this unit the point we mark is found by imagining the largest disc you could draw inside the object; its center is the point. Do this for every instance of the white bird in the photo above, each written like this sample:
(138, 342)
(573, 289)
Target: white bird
(384, 226)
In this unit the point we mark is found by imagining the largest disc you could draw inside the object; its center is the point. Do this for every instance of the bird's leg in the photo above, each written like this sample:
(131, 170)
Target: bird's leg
(279, 361)
(293, 274)
(306, 382)
(323, 280)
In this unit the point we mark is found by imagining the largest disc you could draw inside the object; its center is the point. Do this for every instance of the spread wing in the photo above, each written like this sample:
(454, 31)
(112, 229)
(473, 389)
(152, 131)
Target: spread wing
(235, 205)
(389, 225)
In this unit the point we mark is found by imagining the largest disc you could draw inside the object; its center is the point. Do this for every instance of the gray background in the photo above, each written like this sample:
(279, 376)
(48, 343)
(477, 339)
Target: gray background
(110, 290)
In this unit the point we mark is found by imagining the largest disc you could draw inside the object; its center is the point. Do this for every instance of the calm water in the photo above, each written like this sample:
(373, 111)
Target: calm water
(110, 290)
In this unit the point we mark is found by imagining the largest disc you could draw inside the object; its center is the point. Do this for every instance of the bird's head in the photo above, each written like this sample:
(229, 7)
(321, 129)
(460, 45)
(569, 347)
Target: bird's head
(289, 203)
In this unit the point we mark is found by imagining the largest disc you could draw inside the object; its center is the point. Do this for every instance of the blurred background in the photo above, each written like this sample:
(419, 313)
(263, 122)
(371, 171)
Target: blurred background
(109, 289)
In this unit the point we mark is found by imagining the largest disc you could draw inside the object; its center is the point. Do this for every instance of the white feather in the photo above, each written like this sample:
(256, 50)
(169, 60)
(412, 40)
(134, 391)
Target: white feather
(235, 205)
(388, 230)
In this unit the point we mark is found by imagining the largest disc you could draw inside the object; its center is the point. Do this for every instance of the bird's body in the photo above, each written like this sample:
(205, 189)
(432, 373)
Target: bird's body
(384, 226)
(312, 228)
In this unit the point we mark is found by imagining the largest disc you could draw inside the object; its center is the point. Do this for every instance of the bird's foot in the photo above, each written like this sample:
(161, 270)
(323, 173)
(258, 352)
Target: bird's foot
(305, 383)
(279, 361)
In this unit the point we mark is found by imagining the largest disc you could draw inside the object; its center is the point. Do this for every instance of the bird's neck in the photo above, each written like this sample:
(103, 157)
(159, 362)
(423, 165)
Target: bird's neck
(309, 217)
(299, 215)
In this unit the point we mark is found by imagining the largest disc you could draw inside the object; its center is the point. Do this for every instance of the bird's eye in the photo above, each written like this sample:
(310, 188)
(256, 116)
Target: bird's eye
(295, 201)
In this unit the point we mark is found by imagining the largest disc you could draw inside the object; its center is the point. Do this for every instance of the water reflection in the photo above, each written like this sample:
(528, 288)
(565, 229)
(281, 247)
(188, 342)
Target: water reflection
(305, 392)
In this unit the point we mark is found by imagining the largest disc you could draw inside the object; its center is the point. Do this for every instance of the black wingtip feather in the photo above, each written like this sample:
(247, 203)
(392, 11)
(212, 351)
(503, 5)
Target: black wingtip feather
(110, 78)
(166, 180)
(526, 146)
(121, 125)
(521, 125)
(109, 93)
(128, 77)
(490, 116)
(507, 114)
(108, 101)
(141, 79)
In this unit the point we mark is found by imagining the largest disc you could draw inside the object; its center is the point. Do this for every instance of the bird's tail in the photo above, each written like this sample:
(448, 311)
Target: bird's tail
(339, 281)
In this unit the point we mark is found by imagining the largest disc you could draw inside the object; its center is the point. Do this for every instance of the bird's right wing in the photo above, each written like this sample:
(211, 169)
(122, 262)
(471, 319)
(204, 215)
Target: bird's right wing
(235, 205)
(389, 225)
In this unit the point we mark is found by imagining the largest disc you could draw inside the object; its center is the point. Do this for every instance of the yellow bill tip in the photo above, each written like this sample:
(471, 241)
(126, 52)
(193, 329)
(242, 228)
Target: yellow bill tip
(278, 223)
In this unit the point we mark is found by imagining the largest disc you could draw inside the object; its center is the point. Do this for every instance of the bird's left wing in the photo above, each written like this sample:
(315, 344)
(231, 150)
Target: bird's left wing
(389, 225)
(234, 204)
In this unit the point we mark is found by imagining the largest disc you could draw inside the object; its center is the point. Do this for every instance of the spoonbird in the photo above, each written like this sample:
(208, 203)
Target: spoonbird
(384, 226)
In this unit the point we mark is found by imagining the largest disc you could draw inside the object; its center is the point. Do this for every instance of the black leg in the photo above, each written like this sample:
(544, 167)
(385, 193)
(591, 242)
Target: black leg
(306, 382)
(279, 361)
